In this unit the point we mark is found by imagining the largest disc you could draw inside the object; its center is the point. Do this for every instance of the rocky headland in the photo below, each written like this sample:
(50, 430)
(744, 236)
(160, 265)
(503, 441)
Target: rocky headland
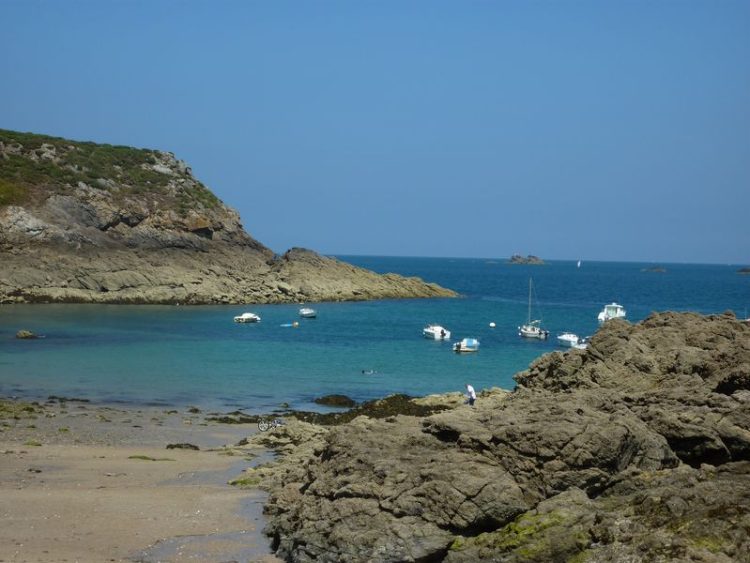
(93, 223)
(636, 449)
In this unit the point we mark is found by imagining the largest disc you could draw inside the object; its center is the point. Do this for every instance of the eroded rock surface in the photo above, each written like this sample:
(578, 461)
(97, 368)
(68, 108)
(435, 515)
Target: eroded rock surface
(637, 449)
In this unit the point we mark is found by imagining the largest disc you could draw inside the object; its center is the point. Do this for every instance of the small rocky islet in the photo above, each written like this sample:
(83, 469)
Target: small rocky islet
(530, 260)
(635, 449)
(94, 223)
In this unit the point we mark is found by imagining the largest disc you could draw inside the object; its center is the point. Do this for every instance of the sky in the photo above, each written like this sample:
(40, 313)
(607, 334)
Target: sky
(591, 130)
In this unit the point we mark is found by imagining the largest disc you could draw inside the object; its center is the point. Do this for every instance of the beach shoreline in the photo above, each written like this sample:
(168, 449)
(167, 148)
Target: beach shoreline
(89, 482)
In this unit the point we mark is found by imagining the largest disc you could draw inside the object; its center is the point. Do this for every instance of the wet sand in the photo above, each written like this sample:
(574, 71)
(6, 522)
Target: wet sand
(94, 483)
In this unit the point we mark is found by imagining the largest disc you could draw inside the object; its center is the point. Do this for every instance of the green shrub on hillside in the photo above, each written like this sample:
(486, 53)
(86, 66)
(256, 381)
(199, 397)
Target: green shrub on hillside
(58, 164)
(11, 194)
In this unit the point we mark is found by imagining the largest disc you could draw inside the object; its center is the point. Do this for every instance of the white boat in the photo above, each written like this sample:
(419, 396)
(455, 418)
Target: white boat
(568, 339)
(436, 332)
(247, 318)
(532, 329)
(581, 345)
(612, 311)
(466, 345)
(308, 313)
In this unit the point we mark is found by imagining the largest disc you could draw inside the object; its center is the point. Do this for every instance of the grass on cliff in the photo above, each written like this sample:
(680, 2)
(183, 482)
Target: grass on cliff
(95, 164)
(11, 193)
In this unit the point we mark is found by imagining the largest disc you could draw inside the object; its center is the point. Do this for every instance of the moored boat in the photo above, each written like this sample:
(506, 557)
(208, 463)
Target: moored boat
(308, 313)
(466, 345)
(247, 318)
(532, 329)
(436, 332)
(568, 339)
(612, 311)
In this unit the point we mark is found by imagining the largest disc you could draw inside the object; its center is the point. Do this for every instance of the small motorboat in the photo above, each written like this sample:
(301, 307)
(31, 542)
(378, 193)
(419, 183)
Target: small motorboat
(436, 332)
(466, 345)
(568, 339)
(611, 311)
(308, 313)
(247, 318)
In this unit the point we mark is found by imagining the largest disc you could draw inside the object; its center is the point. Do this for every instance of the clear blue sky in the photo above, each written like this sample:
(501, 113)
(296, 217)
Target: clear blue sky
(594, 130)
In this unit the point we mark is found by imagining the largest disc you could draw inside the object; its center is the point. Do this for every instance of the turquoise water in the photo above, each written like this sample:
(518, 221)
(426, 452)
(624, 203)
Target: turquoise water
(198, 356)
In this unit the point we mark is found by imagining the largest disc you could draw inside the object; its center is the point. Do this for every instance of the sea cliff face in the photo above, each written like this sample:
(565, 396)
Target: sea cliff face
(83, 222)
(636, 449)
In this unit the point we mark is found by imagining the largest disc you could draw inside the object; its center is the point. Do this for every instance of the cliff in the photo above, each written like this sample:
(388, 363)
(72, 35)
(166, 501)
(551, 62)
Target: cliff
(636, 449)
(86, 222)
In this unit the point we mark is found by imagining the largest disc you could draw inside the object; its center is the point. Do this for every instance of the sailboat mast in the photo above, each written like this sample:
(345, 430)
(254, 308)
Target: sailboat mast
(529, 321)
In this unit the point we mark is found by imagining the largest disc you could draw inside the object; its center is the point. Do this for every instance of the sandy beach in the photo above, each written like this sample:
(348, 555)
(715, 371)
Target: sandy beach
(80, 482)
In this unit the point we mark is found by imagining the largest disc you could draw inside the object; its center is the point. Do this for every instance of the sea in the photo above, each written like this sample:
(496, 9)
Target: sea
(196, 355)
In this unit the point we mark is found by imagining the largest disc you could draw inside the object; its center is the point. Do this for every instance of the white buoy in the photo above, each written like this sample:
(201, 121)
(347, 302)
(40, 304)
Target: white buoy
(492, 325)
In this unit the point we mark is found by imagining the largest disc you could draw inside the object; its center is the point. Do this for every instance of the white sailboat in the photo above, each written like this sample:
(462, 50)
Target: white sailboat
(532, 329)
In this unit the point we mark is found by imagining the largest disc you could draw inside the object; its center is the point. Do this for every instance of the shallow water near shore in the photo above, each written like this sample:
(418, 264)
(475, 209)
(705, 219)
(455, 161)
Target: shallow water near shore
(178, 356)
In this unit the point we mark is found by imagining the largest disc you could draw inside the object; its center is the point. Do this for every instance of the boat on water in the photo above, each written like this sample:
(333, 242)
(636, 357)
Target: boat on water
(568, 339)
(308, 313)
(611, 311)
(436, 332)
(466, 345)
(247, 318)
(532, 329)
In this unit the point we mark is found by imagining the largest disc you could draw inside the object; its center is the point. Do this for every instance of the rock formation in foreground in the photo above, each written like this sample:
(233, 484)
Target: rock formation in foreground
(84, 222)
(637, 449)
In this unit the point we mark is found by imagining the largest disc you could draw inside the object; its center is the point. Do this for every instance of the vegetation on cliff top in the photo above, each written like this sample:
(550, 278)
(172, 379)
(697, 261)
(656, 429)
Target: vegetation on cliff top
(32, 166)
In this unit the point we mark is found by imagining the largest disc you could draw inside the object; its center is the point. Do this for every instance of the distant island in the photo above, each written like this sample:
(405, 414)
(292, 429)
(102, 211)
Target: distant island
(655, 269)
(84, 222)
(530, 259)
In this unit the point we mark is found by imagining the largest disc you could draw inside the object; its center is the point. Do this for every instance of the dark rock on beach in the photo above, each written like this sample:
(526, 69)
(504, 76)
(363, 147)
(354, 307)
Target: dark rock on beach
(336, 401)
(234, 418)
(182, 446)
(380, 408)
(636, 449)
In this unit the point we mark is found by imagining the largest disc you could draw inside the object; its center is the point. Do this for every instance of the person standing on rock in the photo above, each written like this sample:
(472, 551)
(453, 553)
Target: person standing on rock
(471, 394)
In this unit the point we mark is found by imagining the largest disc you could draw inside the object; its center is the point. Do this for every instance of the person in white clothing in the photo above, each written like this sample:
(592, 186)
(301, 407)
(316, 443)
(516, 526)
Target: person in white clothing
(471, 394)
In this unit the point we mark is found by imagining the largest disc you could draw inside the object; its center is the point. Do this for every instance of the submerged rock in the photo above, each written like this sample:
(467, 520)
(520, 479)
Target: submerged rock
(26, 335)
(335, 401)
